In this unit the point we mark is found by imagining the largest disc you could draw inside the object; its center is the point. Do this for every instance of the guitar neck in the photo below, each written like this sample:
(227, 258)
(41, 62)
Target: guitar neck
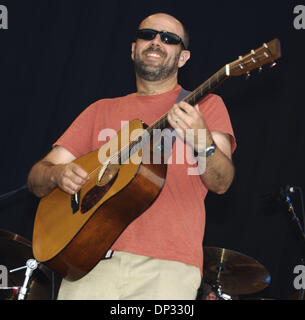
(267, 53)
(207, 87)
(194, 97)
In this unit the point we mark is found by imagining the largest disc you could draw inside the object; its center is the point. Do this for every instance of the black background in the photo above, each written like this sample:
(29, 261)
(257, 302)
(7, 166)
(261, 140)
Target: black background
(57, 57)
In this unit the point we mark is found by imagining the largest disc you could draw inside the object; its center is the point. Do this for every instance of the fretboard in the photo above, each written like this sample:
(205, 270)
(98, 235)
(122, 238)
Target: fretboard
(194, 97)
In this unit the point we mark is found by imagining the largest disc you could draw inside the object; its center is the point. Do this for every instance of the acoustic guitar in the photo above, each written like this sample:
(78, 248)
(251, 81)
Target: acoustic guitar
(72, 233)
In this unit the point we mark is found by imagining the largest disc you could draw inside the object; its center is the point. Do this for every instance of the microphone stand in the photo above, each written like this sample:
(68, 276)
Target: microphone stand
(294, 216)
(300, 229)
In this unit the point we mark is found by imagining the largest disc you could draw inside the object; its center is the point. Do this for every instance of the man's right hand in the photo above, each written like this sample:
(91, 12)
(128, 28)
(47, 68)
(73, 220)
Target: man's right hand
(56, 170)
(69, 177)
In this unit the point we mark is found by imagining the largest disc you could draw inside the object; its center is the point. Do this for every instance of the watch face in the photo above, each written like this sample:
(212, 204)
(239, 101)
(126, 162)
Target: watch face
(211, 150)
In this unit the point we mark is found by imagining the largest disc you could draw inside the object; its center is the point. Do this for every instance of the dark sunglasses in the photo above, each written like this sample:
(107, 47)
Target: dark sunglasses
(166, 37)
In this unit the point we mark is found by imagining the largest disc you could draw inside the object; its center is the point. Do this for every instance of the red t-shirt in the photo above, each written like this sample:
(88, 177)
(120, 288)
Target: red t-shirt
(173, 227)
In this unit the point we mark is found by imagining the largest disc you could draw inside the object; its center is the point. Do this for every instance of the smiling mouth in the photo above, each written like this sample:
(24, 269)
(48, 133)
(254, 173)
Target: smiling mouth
(154, 53)
(153, 57)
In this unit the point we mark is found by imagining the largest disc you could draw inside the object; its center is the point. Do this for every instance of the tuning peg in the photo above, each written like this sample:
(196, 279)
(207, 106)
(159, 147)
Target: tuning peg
(248, 75)
(241, 65)
(273, 64)
(260, 69)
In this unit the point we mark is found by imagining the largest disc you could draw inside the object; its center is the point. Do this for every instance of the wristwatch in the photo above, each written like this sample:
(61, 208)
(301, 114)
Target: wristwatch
(208, 152)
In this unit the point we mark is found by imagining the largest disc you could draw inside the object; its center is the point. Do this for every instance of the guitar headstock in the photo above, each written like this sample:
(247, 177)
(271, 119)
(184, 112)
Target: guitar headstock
(267, 53)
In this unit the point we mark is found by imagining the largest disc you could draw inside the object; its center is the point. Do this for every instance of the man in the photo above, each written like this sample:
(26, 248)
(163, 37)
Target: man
(159, 255)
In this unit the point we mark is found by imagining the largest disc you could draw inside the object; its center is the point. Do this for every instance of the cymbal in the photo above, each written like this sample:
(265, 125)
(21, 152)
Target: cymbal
(237, 273)
(15, 251)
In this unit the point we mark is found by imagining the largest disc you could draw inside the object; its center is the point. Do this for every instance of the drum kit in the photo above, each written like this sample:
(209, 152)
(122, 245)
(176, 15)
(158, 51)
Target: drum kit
(22, 276)
(230, 274)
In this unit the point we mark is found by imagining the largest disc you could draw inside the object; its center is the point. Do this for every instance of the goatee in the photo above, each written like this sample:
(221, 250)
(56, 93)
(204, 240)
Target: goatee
(155, 73)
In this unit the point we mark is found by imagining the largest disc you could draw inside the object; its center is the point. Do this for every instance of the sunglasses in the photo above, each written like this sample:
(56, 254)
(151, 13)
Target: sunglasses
(166, 37)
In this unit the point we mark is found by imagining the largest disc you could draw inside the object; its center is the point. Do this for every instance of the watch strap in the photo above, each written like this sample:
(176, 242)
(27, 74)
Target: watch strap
(208, 152)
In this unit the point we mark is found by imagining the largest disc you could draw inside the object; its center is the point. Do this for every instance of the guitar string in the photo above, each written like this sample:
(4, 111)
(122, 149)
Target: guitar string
(109, 160)
(192, 98)
(117, 156)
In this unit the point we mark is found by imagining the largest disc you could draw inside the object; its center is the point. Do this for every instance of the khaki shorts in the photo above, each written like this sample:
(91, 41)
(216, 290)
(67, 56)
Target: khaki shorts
(128, 276)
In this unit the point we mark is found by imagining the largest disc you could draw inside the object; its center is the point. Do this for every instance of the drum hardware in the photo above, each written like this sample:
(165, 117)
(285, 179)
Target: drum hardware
(217, 288)
(230, 273)
(9, 293)
(30, 266)
(37, 283)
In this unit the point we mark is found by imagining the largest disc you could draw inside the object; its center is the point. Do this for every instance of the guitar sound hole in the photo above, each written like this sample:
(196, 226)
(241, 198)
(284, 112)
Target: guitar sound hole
(94, 195)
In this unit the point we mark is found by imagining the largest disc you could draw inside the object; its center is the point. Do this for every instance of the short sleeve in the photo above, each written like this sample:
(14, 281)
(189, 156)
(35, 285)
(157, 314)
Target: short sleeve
(78, 137)
(217, 117)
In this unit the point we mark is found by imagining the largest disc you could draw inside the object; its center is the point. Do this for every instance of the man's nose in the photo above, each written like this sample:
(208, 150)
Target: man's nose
(157, 40)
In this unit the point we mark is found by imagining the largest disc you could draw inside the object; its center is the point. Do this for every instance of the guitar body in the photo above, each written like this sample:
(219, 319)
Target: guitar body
(72, 238)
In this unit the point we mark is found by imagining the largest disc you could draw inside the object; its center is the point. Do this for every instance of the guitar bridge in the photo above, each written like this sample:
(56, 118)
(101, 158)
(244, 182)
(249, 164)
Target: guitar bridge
(75, 201)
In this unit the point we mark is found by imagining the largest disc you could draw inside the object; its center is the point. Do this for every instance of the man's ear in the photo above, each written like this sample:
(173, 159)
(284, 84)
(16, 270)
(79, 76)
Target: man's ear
(184, 57)
(133, 45)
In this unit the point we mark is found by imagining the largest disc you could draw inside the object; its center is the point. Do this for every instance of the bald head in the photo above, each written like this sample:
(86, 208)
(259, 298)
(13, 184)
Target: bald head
(154, 58)
(164, 21)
